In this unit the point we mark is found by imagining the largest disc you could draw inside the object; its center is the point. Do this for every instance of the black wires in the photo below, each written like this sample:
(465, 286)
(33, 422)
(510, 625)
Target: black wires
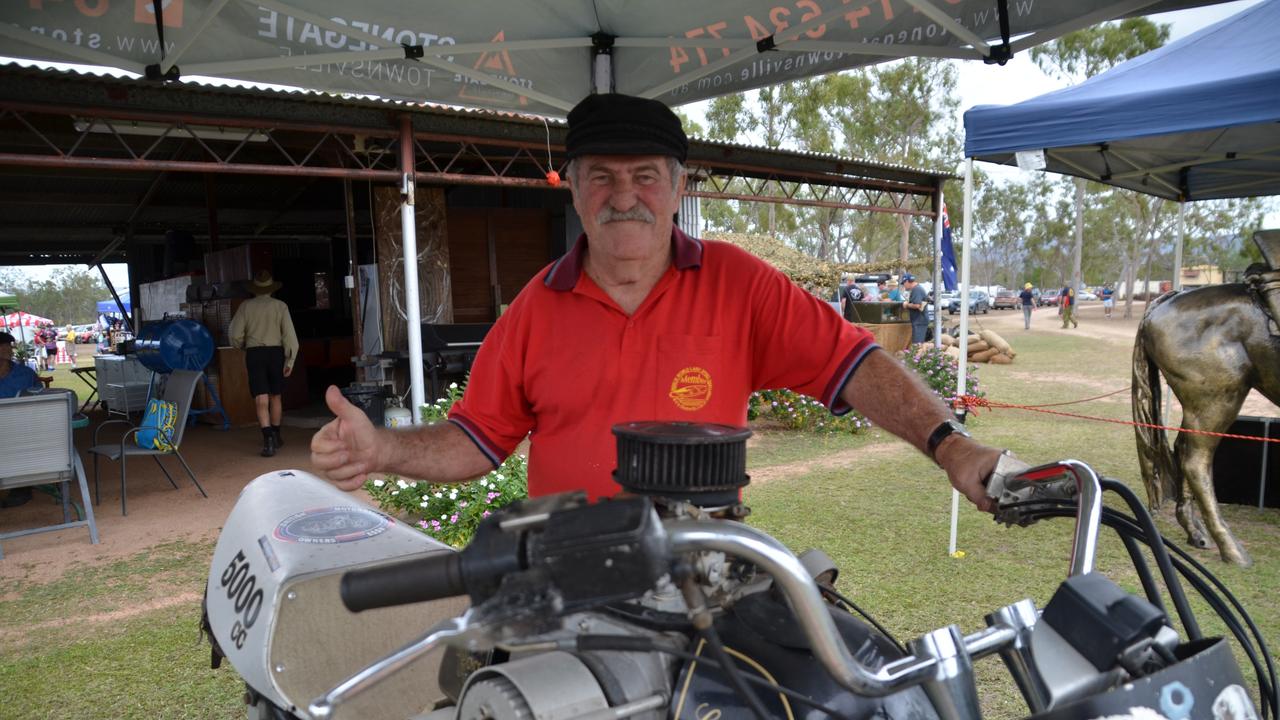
(1173, 561)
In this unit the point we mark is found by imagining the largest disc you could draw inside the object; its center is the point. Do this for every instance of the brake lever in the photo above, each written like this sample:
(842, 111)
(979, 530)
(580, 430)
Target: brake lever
(1009, 487)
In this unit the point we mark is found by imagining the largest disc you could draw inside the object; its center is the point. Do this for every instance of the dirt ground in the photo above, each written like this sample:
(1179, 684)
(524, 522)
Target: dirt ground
(225, 462)
(1093, 324)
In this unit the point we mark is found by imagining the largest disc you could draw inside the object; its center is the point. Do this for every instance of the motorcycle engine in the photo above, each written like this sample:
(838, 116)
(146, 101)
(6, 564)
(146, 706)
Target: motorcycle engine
(693, 472)
(689, 470)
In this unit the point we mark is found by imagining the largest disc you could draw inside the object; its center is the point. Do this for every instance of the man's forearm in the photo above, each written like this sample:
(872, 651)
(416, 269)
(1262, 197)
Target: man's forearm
(439, 452)
(894, 398)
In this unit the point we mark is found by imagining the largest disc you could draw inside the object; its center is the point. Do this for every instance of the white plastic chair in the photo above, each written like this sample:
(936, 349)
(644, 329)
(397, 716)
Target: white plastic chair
(36, 432)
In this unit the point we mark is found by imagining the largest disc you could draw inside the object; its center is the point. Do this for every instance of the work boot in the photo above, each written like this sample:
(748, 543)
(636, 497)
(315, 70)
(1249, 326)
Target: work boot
(268, 442)
(275, 431)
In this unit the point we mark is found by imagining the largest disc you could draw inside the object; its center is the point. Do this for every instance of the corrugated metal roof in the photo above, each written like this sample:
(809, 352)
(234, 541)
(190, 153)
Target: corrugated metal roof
(699, 146)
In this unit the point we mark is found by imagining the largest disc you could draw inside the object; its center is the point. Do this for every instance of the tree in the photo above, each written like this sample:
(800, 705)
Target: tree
(901, 113)
(1085, 53)
(68, 296)
(1130, 235)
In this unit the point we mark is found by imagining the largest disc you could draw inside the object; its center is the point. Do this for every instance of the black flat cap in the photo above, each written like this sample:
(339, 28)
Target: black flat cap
(613, 124)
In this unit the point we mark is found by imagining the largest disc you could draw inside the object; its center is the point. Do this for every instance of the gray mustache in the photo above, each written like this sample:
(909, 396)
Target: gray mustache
(638, 213)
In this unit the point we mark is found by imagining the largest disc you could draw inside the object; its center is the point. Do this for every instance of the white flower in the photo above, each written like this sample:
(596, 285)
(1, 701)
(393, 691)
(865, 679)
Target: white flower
(402, 484)
(493, 486)
(395, 492)
(444, 517)
(453, 495)
(439, 494)
(453, 386)
(379, 483)
(424, 503)
(501, 476)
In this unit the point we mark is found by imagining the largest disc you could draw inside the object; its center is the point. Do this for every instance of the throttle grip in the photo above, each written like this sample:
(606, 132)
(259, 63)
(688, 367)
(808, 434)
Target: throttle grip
(430, 577)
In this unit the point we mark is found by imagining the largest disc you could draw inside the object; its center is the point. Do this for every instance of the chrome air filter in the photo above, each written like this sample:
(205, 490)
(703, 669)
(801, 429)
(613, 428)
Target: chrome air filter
(702, 463)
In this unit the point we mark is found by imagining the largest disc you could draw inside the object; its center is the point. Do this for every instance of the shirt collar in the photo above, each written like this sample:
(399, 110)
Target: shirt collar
(563, 275)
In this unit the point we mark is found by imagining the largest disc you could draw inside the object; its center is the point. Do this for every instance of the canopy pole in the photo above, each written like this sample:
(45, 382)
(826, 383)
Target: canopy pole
(409, 241)
(1177, 249)
(963, 368)
(602, 63)
(1078, 251)
(938, 202)
(352, 280)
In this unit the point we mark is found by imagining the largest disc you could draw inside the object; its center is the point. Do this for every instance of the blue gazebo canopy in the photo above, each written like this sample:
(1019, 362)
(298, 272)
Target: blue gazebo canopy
(109, 306)
(1194, 120)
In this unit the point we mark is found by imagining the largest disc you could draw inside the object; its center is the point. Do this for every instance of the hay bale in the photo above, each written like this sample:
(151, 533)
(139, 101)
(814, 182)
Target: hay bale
(995, 341)
(1000, 359)
(948, 341)
(984, 356)
(952, 351)
(977, 346)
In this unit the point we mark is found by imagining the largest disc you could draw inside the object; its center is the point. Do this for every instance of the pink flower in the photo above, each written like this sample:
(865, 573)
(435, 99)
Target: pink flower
(453, 518)
(485, 514)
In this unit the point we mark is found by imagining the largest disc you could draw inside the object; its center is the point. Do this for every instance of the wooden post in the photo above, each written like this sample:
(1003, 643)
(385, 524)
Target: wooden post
(434, 289)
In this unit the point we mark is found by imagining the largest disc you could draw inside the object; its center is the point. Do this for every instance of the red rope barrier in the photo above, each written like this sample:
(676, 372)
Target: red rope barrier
(971, 402)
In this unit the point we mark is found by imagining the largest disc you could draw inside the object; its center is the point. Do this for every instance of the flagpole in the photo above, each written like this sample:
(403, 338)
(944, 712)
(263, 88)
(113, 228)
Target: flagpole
(940, 210)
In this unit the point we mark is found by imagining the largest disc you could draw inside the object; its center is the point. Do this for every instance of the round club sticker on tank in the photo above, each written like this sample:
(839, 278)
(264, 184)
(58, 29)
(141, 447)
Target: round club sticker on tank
(326, 526)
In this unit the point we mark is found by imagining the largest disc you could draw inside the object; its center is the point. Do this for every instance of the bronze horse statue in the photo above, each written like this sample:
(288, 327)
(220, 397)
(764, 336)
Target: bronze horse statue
(1213, 345)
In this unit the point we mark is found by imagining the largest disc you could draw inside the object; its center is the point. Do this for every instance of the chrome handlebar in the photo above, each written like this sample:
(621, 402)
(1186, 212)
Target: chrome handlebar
(941, 661)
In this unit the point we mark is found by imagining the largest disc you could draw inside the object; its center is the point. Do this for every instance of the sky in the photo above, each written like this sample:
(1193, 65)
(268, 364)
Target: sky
(978, 84)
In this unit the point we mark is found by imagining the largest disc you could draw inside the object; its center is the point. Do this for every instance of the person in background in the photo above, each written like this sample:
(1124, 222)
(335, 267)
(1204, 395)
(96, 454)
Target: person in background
(14, 378)
(1108, 300)
(882, 291)
(72, 351)
(263, 329)
(50, 347)
(895, 294)
(1067, 306)
(850, 292)
(916, 300)
(1028, 299)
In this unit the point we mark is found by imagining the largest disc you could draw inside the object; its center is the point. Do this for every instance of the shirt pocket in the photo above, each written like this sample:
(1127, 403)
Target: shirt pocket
(690, 381)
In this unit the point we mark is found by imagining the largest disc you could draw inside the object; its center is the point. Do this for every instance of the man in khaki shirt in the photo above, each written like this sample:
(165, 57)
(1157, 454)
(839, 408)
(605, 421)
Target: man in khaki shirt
(263, 329)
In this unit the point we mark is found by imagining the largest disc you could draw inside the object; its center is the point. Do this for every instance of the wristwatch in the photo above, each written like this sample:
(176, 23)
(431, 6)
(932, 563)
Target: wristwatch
(942, 432)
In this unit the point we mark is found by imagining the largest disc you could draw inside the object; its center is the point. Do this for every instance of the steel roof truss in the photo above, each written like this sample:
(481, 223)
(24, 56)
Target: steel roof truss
(39, 134)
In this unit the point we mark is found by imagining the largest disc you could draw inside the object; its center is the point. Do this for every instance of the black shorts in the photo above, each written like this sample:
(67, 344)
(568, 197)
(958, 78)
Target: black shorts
(266, 370)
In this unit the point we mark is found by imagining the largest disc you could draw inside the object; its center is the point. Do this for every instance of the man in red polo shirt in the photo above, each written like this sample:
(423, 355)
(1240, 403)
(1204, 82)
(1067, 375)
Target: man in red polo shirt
(639, 321)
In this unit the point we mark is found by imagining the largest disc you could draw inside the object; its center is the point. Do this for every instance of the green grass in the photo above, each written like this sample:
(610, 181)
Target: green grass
(119, 639)
(885, 519)
(113, 641)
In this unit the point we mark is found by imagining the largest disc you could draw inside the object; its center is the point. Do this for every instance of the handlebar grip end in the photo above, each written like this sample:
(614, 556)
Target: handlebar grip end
(430, 577)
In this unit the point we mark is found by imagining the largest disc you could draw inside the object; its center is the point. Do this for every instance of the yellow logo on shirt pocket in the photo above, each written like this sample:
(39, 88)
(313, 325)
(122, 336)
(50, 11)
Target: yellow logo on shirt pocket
(691, 389)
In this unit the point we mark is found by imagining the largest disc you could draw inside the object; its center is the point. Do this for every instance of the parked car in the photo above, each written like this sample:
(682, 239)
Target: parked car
(1005, 300)
(1086, 295)
(979, 302)
(1049, 297)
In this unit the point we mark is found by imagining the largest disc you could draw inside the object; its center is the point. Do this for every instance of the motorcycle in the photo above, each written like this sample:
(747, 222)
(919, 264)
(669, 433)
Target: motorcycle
(662, 604)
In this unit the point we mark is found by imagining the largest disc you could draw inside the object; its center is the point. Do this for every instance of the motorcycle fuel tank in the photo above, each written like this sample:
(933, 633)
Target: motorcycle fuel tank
(762, 636)
(273, 605)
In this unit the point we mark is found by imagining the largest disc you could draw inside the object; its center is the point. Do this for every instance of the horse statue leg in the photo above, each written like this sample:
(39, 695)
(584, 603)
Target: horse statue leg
(1195, 455)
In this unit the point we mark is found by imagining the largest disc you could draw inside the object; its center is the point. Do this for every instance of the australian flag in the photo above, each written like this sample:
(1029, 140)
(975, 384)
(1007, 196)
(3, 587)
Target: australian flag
(948, 254)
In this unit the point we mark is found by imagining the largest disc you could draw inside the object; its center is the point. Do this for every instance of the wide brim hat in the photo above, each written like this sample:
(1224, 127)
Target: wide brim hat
(264, 284)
